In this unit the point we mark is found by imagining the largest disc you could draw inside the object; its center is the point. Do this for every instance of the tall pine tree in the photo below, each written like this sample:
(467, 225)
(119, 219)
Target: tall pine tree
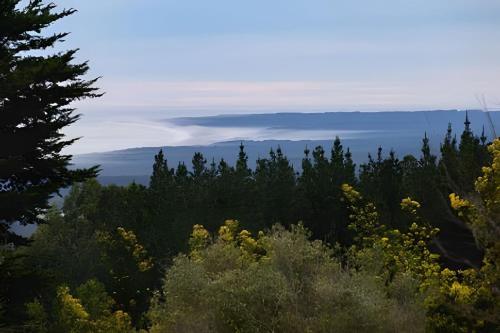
(36, 91)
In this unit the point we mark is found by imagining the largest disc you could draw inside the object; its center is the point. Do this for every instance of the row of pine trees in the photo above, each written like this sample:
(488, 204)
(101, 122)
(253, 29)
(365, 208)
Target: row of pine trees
(276, 193)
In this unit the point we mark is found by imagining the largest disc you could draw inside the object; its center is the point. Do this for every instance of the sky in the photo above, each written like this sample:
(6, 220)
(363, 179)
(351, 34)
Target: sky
(167, 58)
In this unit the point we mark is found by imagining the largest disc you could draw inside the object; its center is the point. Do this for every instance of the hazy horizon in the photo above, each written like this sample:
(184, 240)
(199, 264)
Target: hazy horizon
(130, 130)
(165, 59)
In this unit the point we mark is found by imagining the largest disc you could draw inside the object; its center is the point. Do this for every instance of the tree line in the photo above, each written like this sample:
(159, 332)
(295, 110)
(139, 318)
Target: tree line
(407, 244)
(276, 193)
(125, 237)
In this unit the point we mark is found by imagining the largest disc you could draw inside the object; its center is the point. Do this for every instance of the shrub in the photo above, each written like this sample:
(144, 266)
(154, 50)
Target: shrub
(279, 281)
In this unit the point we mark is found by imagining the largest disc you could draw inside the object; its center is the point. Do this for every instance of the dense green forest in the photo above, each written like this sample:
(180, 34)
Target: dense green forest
(296, 250)
(394, 245)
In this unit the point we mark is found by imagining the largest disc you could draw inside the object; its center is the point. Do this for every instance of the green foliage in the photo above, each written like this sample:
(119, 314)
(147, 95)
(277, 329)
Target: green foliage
(279, 281)
(80, 243)
(88, 312)
(64, 249)
(387, 252)
(129, 271)
(36, 91)
(455, 301)
(275, 188)
(429, 180)
(275, 193)
(38, 321)
(469, 300)
(380, 276)
(319, 194)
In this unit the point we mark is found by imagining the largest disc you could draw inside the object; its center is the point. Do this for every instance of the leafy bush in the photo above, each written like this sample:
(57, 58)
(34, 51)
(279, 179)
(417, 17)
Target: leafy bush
(278, 282)
(469, 300)
(90, 311)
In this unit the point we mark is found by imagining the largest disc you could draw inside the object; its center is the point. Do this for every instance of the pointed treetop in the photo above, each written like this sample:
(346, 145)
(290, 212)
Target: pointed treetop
(241, 164)
(181, 171)
(278, 151)
(272, 154)
(425, 142)
(160, 167)
(467, 122)
(306, 152)
(379, 154)
(213, 166)
(427, 158)
(392, 154)
(348, 153)
(483, 137)
(448, 137)
(198, 162)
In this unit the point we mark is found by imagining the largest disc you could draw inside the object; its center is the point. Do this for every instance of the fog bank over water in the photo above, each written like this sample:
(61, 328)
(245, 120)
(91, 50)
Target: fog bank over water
(130, 134)
(116, 130)
(219, 137)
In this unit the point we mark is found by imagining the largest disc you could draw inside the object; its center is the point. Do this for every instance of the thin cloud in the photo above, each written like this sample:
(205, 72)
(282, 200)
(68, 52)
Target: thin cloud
(227, 96)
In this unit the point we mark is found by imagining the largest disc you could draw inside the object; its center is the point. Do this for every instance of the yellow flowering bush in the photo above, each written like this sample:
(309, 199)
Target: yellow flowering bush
(458, 203)
(488, 185)
(456, 301)
(249, 247)
(227, 232)
(392, 251)
(410, 206)
(139, 253)
(461, 206)
(89, 313)
(199, 239)
(71, 312)
(469, 300)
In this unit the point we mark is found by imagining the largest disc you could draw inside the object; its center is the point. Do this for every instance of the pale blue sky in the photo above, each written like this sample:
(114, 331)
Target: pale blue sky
(246, 55)
(168, 58)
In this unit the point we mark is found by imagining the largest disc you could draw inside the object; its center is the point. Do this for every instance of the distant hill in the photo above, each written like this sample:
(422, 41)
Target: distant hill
(358, 121)
(362, 132)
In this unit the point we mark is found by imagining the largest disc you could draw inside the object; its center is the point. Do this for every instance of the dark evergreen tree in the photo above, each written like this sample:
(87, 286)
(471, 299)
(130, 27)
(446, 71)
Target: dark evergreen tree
(349, 168)
(459, 166)
(448, 164)
(222, 193)
(212, 171)
(199, 166)
(427, 182)
(466, 154)
(200, 202)
(35, 95)
(319, 193)
(162, 176)
(223, 169)
(181, 174)
(306, 162)
(413, 171)
(242, 169)
(275, 188)
(427, 159)
(472, 155)
(162, 208)
(337, 157)
(381, 181)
